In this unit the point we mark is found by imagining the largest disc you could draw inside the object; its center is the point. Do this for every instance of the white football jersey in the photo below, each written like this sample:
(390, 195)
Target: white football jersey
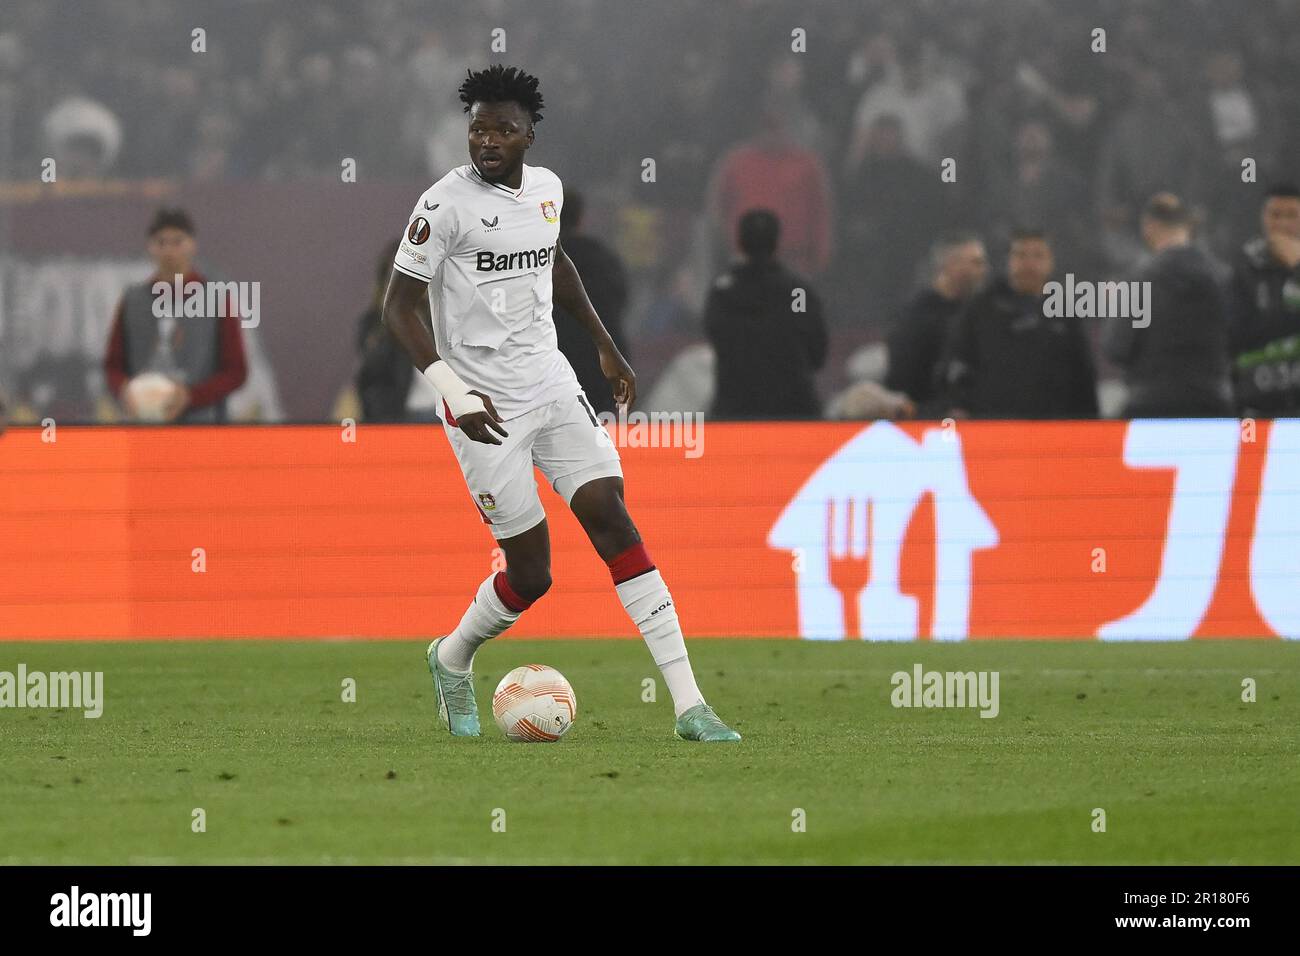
(486, 251)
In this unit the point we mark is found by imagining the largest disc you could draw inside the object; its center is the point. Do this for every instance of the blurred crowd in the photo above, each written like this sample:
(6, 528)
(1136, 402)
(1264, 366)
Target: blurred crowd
(843, 141)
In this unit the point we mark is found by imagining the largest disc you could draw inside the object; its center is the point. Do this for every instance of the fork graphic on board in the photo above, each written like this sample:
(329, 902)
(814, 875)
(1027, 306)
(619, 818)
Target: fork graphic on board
(849, 536)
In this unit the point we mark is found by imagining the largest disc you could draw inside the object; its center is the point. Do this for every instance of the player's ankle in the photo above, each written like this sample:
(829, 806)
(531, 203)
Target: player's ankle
(455, 655)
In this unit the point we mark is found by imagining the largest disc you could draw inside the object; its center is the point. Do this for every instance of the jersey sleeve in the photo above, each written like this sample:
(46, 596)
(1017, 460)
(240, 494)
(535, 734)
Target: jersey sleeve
(430, 236)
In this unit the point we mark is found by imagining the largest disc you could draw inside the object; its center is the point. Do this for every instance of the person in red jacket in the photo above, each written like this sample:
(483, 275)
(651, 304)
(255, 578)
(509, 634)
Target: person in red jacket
(202, 355)
(773, 171)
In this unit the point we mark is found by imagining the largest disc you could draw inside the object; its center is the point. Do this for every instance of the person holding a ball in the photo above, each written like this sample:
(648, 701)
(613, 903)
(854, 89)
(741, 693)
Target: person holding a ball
(166, 368)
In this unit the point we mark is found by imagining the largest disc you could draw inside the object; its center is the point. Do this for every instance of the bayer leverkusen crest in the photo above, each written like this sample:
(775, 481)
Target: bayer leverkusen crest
(549, 212)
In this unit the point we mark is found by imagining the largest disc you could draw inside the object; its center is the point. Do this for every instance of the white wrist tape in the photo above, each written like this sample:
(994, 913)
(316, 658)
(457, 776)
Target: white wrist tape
(453, 391)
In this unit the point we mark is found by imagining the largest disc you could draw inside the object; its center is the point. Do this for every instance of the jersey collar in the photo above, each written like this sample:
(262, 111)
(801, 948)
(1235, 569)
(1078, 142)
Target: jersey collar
(514, 194)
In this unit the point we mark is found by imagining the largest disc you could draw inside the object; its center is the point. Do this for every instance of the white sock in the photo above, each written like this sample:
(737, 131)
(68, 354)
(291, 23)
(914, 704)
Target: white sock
(647, 602)
(485, 618)
(681, 684)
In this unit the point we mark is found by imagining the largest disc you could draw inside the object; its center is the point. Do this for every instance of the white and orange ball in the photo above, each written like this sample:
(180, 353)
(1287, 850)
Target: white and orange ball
(534, 704)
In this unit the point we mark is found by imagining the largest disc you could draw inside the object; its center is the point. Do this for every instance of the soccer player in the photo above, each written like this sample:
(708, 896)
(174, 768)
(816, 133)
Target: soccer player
(483, 244)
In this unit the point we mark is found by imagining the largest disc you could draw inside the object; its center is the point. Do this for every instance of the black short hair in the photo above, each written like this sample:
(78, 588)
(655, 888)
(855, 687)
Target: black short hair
(758, 232)
(1028, 234)
(1282, 191)
(950, 239)
(174, 218)
(1167, 209)
(502, 84)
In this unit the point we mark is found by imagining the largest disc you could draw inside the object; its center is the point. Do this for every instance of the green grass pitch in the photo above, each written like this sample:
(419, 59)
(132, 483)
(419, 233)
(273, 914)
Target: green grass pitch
(258, 736)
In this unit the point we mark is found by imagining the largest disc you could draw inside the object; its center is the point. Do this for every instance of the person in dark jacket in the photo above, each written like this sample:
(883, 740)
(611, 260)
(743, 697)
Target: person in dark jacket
(767, 330)
(1176, 364)
(383, 377)
(891, 208)
(918, 339)
(1006, 359)
(605, 280)
(1264, 310)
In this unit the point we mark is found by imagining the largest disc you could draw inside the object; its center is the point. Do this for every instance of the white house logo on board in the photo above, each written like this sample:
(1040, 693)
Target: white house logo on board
(854, 512)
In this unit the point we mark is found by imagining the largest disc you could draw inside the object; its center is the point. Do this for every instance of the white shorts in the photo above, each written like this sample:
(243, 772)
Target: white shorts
(563, 439)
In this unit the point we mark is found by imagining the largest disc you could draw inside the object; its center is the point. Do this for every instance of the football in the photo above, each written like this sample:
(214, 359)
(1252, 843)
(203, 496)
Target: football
(151, 393)
(534, 704)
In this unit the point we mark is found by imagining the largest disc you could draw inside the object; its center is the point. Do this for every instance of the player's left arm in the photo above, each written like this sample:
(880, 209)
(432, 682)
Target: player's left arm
(570, 295)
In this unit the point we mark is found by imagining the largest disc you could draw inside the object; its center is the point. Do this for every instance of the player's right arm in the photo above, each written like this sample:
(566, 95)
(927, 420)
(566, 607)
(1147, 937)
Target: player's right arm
(427, 242)
(474, 412)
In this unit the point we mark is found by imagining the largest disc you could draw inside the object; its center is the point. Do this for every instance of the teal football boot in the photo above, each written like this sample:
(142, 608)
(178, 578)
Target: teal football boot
(701, 723)
(457, 707)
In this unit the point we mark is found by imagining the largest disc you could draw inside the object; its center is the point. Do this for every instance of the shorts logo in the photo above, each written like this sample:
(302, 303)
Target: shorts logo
(418, 231)
(488, 502)
(549, 212)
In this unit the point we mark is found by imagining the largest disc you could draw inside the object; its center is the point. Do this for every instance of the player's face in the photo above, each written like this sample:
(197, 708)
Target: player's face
(499, 134)
(1282, 214)
(1029, 265)
(172, 251)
